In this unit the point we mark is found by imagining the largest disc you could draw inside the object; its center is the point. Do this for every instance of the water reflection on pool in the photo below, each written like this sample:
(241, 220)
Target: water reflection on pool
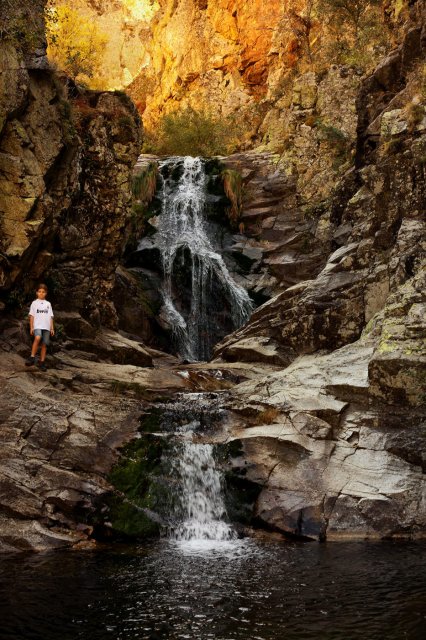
(238, 589)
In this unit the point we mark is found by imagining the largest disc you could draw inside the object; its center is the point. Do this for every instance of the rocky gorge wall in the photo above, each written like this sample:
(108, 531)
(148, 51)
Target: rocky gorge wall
(336, 439)
(237, 57)
(66, 164)
(67, 157)
(229, 56)
(325, 383)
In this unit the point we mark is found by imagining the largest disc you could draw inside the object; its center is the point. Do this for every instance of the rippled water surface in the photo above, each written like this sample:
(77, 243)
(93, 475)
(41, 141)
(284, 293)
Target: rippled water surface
(222, 590)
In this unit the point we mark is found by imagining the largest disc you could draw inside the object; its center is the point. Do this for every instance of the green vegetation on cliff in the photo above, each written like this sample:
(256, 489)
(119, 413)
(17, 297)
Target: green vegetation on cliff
(145, 182)
(233, 187)
(75, 44)
(193, 132)
(136, 490)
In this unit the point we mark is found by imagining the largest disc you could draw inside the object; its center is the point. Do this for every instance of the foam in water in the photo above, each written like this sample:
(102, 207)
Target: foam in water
(199, 508)
(182, 227)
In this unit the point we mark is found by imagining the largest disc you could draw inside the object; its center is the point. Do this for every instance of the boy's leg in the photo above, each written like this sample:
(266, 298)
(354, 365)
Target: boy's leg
(31, 360)
(43, 352)
(46, 339)
(35, 346)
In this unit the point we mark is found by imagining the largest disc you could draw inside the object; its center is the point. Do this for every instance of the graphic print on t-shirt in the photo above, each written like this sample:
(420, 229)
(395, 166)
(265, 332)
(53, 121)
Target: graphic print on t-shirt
(42, 312)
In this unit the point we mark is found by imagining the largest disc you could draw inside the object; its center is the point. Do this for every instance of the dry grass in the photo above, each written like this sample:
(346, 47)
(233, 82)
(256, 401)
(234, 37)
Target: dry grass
(233, 187)
(415, 113)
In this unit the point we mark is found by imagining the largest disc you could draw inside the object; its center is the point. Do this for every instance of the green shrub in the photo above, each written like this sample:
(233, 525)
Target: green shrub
(191, 132)
(137, 491)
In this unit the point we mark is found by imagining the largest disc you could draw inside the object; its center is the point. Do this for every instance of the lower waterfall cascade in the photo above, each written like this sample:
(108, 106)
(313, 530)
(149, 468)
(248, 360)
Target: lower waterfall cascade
(197, 512)
(183, 241)
(200, 506)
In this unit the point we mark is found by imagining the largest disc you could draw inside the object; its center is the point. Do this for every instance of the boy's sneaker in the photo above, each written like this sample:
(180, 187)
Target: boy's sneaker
(42, 366)
(29, 362)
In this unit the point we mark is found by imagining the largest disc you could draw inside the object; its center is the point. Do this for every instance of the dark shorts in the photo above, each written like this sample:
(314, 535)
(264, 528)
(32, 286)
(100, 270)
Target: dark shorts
(44, 334)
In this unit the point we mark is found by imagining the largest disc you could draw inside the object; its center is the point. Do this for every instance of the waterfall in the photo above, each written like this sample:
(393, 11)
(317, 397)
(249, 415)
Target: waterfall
(199, 508)
(183, 241)
(196, 510)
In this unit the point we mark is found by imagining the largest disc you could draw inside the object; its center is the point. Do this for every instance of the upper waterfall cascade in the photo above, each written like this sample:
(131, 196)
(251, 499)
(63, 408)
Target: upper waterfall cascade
(184, 242)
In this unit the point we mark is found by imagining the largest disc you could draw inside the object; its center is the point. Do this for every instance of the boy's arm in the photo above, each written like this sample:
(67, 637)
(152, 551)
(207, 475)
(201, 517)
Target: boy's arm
(31, 324)
(52, 325)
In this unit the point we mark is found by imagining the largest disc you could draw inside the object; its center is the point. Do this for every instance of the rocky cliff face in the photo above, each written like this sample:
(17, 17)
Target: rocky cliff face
(66, 158)
(210, 53)
(328, 415)
(66, 164)
(340, 449)
(237, 57)
(232, 56)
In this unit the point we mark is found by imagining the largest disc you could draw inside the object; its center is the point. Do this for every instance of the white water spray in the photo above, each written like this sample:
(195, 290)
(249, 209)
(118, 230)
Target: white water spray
(182, 227)
(200, 508)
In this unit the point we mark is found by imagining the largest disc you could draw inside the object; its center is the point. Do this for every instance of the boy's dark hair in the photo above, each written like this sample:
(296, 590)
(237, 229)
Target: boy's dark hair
(42, 286)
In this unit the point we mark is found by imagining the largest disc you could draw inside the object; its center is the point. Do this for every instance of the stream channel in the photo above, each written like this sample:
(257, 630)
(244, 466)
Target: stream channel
(202, 579)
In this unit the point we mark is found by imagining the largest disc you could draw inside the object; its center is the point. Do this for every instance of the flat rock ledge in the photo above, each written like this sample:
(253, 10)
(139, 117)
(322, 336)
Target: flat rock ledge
(334, 453)
(61, 431)
(331, 459)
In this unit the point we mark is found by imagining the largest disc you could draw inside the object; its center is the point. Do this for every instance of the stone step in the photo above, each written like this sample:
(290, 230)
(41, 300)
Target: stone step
(266, 202)
(252, 214)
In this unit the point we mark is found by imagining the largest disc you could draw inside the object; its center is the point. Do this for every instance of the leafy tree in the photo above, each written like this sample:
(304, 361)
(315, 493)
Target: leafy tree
(75, 43)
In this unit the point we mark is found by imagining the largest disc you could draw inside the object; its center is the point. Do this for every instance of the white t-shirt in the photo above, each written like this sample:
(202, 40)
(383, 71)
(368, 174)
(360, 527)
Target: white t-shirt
(42, 312)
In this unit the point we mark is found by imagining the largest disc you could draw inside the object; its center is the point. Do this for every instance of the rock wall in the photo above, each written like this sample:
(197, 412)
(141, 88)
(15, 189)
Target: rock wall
(210, 53)
(335, 439)
(66, 164)
(237, 57)
(371, 223)
(66, 160)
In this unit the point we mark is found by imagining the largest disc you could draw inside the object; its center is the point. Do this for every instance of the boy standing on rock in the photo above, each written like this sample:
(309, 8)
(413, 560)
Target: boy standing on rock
(41, 326)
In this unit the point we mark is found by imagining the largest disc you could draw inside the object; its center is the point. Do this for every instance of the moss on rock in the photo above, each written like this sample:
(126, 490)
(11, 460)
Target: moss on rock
(138, 493)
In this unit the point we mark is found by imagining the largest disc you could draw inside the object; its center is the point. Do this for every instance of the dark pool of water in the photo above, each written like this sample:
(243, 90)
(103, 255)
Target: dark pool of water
(242, 590)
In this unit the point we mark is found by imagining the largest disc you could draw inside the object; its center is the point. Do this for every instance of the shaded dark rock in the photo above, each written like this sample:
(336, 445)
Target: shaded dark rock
(74, 325)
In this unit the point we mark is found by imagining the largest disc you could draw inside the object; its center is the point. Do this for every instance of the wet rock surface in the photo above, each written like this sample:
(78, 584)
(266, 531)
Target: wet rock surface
(325, 383)
(339, 454)
(61, 434)
(328, 463)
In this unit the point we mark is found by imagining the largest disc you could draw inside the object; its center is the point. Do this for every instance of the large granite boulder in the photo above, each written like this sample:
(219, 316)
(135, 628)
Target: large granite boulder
(337, 461)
